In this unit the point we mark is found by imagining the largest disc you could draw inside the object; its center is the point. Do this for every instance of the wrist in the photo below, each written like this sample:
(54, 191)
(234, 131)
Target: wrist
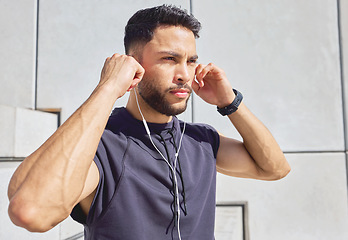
(230, 96)
(232, 107)
(111, 89)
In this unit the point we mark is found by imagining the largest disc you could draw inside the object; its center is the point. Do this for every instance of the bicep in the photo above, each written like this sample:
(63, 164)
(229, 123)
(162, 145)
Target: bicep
(234, 160)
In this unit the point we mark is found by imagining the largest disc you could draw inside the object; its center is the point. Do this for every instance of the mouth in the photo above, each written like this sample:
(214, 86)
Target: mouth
(180, 93)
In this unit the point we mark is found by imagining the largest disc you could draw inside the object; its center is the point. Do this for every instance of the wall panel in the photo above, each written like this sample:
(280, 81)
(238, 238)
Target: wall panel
(343, 6)
(310, 203)
(75, 38)
(284, 57)
(17, 48)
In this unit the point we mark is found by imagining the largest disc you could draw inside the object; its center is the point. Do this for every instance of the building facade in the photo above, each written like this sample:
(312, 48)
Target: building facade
(289, 58)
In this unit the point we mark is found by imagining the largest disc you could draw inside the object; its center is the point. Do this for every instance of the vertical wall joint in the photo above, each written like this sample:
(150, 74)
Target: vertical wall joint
(36, 52)
(342, 75)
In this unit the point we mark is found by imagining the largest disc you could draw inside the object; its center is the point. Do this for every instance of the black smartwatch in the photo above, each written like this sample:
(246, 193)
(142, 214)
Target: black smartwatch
(233, 106)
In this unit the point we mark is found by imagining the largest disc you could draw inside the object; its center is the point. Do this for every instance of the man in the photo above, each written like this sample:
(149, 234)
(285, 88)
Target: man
(141, 173)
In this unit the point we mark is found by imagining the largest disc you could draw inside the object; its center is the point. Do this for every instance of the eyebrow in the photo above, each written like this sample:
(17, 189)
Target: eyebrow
(175, 54)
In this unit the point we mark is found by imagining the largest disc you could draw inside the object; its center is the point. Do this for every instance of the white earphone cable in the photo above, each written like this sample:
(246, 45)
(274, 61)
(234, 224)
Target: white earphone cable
(166, 160)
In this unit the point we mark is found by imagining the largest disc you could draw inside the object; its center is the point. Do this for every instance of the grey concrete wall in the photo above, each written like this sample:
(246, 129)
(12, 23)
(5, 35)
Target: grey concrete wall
(288, 58)
(18, 40)
(74, 40)
(285, 57)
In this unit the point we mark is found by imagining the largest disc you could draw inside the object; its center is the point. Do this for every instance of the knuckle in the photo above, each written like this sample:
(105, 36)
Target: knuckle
(128, 58)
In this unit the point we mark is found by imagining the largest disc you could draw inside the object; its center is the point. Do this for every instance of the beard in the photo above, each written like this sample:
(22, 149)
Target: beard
(156, 99)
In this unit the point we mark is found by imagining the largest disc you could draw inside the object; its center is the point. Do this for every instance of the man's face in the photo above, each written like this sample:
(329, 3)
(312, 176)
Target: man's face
(169, 60)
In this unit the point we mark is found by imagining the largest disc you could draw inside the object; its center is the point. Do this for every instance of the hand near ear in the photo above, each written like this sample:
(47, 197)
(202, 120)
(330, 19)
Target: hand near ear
(122, 72)
(212, 85)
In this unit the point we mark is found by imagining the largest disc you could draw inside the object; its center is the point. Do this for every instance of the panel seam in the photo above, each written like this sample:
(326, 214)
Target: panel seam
(36, 54)
(341, 59)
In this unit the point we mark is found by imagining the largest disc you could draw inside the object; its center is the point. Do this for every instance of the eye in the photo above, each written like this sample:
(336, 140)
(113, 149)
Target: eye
(193, 61)
(169, 58)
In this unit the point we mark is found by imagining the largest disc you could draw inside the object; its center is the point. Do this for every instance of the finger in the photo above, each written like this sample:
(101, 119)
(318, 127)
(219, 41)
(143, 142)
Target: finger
(106, 63)
(108, 59)
(115, 55)
(134, 83)
(195, 87)
(204, 72)
(139, 70)
(198, 71)
(199, 68)
(138, 76)
(207, 69)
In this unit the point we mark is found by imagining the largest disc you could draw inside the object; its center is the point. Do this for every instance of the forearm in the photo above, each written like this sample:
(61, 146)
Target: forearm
(60, 173)
(259, 155)
(260, 144)
(52, 178)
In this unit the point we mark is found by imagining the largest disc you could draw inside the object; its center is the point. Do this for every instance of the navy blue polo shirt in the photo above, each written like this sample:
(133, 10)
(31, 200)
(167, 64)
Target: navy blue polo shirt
(135, 195)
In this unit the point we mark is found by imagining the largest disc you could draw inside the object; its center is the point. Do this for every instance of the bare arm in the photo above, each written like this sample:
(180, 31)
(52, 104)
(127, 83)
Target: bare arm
(61, 173)
(258, 156)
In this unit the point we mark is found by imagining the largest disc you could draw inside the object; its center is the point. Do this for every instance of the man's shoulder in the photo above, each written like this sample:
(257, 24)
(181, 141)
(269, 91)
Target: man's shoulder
(200, 131)
(200, 127)
(114, 132)
(121, 126)
(120, 120)
(118, 115)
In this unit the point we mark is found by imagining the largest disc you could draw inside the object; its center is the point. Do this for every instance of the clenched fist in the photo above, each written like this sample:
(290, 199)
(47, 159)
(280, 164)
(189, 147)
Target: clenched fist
(121, 73)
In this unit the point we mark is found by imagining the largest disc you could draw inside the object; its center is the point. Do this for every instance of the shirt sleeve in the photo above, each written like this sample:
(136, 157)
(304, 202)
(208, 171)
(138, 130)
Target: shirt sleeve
(213, 137)
(206, 135)
(108, 159)
(77, 213)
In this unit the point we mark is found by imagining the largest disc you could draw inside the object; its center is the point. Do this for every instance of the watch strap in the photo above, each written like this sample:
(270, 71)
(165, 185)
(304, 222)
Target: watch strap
(233, 106)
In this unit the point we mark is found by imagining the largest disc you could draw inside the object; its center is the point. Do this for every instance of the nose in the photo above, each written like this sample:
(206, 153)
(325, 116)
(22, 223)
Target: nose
(183, 73)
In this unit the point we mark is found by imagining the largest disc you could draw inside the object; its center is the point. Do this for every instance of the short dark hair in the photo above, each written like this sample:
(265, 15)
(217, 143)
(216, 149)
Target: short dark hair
(141, 26)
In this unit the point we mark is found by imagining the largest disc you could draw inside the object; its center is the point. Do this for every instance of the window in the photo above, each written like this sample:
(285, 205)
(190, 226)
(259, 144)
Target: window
(231, 221)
